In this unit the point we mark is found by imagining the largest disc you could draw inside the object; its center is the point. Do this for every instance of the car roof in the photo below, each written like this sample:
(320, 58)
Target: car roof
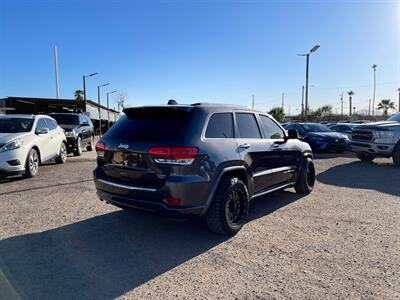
(12, 116)
(67, 114)
(209, 107)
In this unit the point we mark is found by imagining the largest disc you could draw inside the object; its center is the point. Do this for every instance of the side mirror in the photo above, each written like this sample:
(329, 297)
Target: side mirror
(292, 134)
(43, 131)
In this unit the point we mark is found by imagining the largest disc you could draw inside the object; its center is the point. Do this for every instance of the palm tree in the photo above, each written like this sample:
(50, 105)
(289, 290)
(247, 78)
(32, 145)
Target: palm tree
(350, 93)
(78, 94)
(385, 105)
(277, 113)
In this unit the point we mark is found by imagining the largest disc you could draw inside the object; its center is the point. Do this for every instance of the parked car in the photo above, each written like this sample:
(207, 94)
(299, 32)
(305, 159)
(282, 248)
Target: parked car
(26, 141)
(380, 139)
(345, 129)
(320, 137)
(79, 131)
(199, 159)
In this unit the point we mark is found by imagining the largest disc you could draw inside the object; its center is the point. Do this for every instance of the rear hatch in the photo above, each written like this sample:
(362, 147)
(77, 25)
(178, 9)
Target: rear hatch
(126, 157)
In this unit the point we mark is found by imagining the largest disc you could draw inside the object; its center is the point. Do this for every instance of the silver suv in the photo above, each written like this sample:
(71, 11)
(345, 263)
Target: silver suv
(380, 139)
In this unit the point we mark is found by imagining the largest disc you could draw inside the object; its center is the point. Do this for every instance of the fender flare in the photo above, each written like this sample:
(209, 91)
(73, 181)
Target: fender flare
(217, 182)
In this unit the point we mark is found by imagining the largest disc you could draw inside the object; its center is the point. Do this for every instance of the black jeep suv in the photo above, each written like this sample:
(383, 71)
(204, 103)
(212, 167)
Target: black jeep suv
(200, 159)
(79, 131)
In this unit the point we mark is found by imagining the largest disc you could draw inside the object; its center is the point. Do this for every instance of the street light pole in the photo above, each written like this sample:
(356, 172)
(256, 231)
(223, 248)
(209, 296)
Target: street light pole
(84, 84)
(307, 55)
(373, 98)
(108, 108)
(98, 102)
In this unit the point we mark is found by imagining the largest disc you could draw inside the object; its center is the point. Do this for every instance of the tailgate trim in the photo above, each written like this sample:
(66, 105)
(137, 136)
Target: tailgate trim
(129, 187)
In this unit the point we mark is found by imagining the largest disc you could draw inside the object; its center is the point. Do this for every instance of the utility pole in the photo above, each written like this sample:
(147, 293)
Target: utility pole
(369, 107)
(56, 72)
(283, 101)
(373, 98)
(341, 106)
(354, 110)
(399, 99)
(302, 102)
(252, 101)
(289, 110)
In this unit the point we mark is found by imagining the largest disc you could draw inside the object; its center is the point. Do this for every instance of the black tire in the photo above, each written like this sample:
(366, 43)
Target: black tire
(365, 156)
(396, 155)
(306, 179)
(62, 155)
(90, 147)
(32, 164)
(228, 211)
(78, 151)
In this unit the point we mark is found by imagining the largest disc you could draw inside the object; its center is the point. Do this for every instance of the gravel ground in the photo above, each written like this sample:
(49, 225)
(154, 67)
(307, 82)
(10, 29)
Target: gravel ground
(58, 241)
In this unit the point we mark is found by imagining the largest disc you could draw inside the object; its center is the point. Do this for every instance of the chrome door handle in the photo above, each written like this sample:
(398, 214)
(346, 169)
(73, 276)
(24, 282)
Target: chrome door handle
(244, 146)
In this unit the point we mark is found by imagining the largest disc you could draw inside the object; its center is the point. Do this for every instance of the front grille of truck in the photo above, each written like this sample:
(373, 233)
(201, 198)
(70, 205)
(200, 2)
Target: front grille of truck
(359, 135)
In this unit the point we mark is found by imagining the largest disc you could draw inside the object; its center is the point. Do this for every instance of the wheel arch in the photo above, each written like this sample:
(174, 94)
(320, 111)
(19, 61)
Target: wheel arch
(234, 171)
(38, 152)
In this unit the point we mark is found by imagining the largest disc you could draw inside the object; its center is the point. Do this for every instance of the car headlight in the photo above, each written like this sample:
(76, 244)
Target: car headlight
(70, 133)
(15, 144)
(346, 138)
(385, 134)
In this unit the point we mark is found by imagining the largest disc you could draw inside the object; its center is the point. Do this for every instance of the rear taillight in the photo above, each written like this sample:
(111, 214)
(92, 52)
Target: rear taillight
(174, 155)
(173, 201)
(160, 152)
(100, 149)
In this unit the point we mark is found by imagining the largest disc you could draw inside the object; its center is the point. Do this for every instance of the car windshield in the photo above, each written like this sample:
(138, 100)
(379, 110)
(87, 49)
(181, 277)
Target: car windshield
(315, 128)
(395, 117)
(15, 125)
(66, 119)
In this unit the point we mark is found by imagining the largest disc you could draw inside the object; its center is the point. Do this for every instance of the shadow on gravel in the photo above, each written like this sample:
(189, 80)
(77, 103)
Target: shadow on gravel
(362, 175)
(106, 256)
(45, 187)
(330, 155)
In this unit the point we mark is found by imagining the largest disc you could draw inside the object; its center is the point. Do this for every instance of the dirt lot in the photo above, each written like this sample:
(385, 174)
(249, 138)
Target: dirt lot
(58, 241)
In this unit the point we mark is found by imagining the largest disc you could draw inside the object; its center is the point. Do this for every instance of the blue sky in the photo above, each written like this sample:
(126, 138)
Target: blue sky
(216, 51)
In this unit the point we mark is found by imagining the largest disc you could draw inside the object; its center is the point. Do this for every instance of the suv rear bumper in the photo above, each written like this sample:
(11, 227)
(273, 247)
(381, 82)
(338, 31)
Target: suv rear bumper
(153, 199)
(383, 150)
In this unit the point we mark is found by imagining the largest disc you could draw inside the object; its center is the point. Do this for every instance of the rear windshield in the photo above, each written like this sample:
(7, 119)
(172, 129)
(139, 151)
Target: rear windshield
(66, 119)
(15, 125)
(156, 123)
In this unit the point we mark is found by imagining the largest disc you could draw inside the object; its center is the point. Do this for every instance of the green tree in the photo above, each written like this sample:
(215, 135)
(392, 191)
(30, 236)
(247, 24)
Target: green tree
(277, 113)
(324, 111)
(78, 95)
(385, 105)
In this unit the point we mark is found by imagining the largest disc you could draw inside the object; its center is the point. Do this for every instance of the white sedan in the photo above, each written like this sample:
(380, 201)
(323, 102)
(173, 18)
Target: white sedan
(26, 141)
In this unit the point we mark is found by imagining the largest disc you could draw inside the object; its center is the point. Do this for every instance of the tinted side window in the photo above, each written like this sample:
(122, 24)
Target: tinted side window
(51, 125)
(247, 126)
(271, 130)
(220, 126)
(41, 124)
